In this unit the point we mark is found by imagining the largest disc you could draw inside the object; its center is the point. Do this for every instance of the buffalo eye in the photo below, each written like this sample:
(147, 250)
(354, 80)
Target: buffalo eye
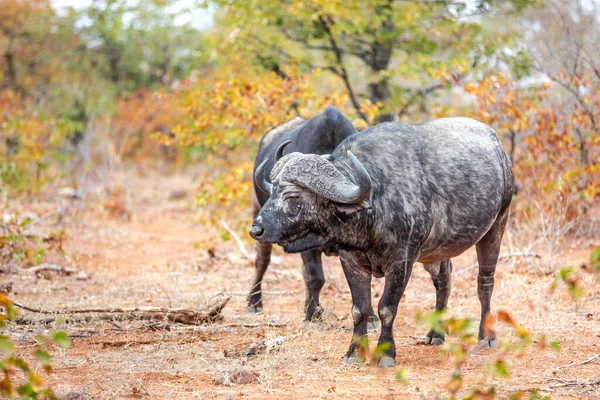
(294, 205)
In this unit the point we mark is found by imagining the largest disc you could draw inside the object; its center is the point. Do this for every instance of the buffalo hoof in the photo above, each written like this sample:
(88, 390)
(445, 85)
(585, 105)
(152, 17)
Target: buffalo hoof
(386, 362)
(433, 339)
(353, 360)
(373, 324)
(254, 310)
(488, 343)
(308, 326)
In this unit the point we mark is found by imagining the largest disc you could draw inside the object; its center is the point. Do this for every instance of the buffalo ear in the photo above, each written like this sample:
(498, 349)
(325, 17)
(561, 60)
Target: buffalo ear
(352, 208)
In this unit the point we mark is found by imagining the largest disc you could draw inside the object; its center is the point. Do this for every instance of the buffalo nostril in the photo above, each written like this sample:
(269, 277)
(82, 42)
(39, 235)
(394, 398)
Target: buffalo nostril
(256, 231)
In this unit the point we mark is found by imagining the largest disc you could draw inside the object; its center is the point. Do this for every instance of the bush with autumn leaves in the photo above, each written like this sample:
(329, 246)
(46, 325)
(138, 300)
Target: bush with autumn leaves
(78, 96)
(555, 148)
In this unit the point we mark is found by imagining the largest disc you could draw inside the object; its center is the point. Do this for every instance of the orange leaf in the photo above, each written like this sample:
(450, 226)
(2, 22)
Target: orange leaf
(506, 318)
(488, 325)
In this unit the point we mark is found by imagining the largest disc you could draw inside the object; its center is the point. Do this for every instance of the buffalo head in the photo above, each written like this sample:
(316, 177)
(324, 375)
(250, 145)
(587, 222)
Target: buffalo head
(306, 194)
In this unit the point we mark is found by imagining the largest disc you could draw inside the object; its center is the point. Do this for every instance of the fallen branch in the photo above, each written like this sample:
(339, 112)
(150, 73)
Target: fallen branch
(53, 267)
(254, 325)
(579, 363)
(237, 239)
(217, 327)
(181, 315)
(500, 257)
(573, 382)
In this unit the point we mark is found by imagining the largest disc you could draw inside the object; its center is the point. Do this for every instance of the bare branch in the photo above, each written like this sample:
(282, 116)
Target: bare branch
(422, 93)
(343, 72)
(589, 112)
(237, 239)
(290, 57)
(579, 363)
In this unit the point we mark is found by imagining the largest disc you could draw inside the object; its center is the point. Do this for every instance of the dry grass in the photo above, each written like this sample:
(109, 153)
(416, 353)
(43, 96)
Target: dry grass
(150, 259)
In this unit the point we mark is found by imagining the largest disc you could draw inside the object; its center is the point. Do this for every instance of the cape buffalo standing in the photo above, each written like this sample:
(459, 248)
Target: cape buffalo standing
(318, 135)
(392, 195)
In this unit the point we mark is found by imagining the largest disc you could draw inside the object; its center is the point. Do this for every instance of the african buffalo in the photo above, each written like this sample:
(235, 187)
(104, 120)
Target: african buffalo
(388, 197)
(318, 135)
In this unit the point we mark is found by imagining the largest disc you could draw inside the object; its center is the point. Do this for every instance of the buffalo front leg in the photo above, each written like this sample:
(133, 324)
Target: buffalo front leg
(488, 250)
(396, 279)
(359, 280)
(314, 279)
(441, 273)
(261, 263)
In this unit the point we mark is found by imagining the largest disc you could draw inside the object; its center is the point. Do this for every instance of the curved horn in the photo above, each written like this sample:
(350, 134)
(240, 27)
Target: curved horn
(362, 190)
(279, 152)
(328, 157)
(259, 179)
(322, 177)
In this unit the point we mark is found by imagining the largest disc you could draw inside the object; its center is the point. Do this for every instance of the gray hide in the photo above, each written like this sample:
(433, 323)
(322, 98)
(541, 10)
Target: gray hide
(435, 190)
(318, 135)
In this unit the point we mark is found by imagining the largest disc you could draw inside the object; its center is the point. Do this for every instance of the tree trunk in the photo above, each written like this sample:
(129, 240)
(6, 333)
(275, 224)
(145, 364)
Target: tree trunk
(382, 48)
(11, 71)
(114, 68)
(379, 92)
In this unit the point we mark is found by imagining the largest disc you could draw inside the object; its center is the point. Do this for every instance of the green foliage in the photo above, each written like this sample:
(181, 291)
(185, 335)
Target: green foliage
(363, 349)
(29, 385)
(432, 45)
(595, 262)
(139, 44)
(6, 345)
(534, 395)
(465, 333)
(402, 375)
(463, 330)
(379, 351)
(498, 369)
(12, 177)
(61, 339)
(21, 249)
(531, 395)
(568, 276)
(572, 276)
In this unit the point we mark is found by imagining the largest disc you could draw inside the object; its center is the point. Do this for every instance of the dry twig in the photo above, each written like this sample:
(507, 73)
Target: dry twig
(237, 239)
(579, 363)
(574, 382)
(269, 292)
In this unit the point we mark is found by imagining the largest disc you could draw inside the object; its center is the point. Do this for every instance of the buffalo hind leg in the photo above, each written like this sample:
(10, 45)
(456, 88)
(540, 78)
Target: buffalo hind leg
(314, 279)
(373, 323)
(441, 273)
(488, 249)
(359, 281)
(396, 279)
(261, 263)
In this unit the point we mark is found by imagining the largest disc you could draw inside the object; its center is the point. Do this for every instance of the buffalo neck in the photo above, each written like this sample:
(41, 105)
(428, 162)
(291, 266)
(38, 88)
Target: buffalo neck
(350, 231)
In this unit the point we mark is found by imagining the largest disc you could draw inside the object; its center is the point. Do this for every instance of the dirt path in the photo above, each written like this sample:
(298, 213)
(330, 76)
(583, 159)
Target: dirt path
(155, 254)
